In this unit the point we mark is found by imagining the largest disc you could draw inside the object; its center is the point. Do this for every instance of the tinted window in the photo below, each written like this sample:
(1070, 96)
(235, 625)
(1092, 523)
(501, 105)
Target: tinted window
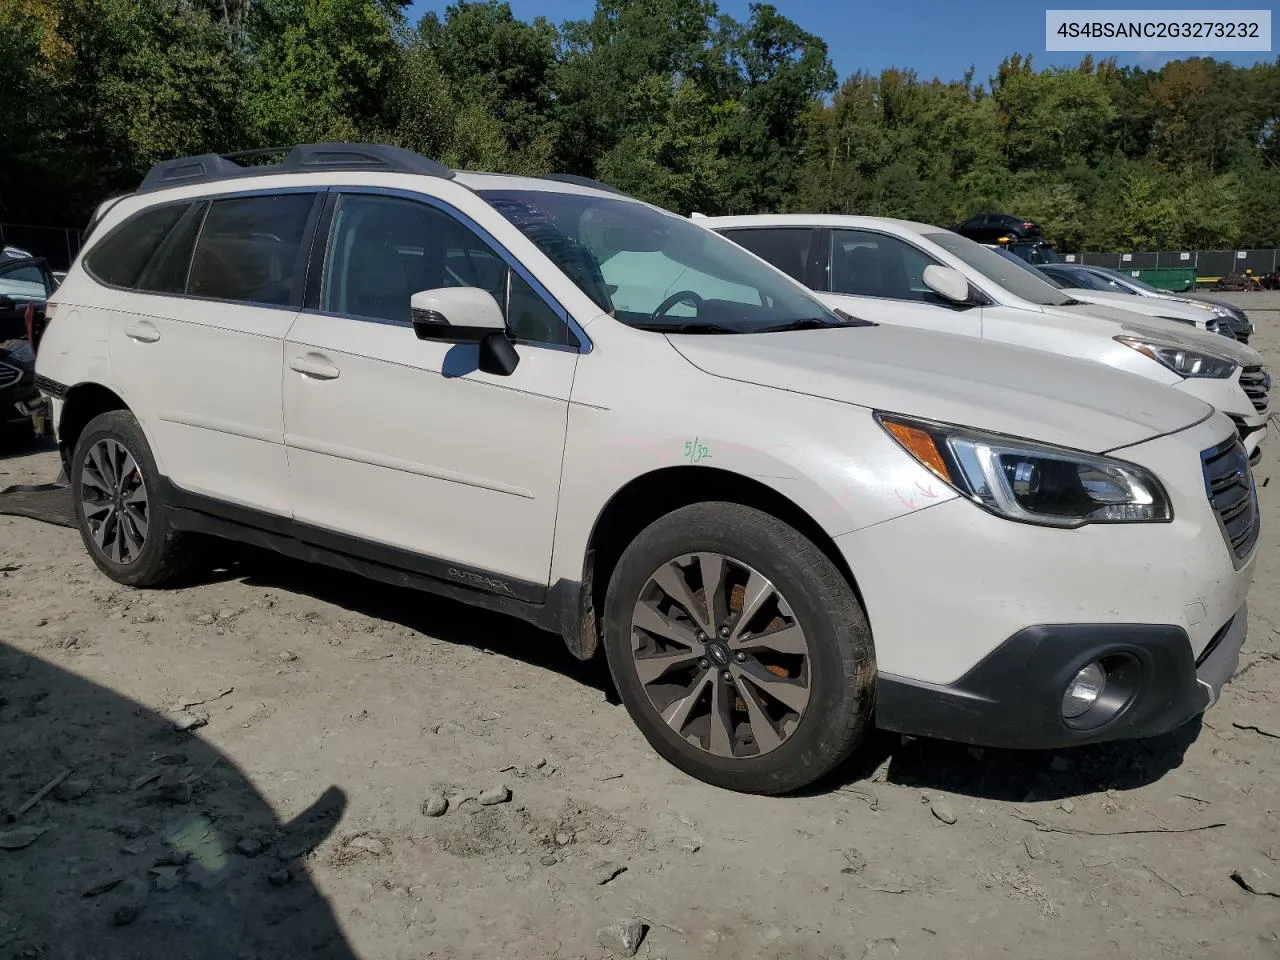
(876, 265)
(248, 249)
(384, 249)
(787, 248)
(167, 272)
(121, 256)
(1080, 280)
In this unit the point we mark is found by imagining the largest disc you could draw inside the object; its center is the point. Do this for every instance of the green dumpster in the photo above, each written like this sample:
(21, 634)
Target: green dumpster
(1172, 279)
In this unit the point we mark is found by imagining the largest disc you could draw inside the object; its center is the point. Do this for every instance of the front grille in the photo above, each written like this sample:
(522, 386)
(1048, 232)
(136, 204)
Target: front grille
(9, 375)
(1256, 383)
(1228, 481)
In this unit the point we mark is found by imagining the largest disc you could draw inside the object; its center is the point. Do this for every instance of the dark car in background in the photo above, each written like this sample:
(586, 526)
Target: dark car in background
(994, 227)
(25, 286)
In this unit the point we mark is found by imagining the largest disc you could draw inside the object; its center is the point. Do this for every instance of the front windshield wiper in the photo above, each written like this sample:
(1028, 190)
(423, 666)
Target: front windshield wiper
(688, 326)
(818, 323)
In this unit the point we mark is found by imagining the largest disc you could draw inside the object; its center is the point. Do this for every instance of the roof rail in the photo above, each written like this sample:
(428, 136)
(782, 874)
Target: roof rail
(578, 181)
(305, 158)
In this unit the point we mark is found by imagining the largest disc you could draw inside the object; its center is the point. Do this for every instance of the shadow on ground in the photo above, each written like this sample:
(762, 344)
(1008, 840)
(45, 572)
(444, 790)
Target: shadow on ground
(438, 617)
(14, 449)
(1017, 776)
(153, 846)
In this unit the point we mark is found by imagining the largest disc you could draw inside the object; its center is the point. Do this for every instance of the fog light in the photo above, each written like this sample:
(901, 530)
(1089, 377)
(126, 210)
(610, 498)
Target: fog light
(1083, 691)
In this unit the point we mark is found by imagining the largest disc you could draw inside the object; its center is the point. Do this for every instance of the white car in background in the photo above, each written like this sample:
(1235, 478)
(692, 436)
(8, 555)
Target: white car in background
(1102, 285)
(901, 272)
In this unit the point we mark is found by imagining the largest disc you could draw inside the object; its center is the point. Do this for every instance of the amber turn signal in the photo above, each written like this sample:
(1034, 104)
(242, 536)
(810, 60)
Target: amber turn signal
(920, 445)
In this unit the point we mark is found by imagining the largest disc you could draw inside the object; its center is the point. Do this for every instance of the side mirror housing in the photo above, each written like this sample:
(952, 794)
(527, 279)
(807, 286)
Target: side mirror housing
(946, 282)
(456, 315)
(465, 315)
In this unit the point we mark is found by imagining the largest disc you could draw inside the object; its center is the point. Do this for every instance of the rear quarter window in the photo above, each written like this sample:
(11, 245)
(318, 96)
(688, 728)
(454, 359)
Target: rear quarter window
(121, 256)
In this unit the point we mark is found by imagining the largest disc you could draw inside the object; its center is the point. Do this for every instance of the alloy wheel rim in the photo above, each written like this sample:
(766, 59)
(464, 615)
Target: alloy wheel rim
(721, 656)
(113, 497)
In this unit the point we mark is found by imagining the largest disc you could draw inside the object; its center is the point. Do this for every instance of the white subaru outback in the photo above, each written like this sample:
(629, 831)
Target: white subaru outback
(782, 524)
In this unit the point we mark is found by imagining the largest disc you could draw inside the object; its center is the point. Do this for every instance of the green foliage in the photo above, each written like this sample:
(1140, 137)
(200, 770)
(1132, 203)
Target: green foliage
(668, 99)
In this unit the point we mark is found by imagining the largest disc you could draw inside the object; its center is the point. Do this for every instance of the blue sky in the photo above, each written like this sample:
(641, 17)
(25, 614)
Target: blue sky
(940, 38)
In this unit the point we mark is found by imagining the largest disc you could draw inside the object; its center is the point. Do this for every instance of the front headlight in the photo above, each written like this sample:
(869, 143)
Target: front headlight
(1183, 362)
(1032, 482)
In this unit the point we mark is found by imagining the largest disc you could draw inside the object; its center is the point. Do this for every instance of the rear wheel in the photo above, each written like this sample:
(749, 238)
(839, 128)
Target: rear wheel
(120, 507)
(739, 649)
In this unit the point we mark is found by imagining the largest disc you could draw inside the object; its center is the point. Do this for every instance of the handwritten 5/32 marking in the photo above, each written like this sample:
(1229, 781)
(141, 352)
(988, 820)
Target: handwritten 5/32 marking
(695, 451)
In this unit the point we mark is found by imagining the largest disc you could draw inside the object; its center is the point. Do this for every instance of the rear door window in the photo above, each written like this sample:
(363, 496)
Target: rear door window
(122, 255)
(787, 248)
(250, 250)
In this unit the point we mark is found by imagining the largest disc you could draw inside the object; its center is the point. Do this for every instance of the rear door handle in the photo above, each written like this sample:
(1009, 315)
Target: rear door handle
(314, 367)
(142, 332)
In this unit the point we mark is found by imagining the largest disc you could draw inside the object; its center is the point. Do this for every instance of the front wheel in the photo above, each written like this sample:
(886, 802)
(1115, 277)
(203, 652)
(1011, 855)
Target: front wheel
(739, 649)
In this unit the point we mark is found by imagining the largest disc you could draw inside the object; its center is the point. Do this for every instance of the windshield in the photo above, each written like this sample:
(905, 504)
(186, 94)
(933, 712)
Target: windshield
(1083, 280)
(1014, 275)
(655, 270)
(1124, 280)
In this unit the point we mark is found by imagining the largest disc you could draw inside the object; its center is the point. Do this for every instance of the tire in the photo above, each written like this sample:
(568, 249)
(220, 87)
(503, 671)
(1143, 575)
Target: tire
(796, 744)
(164, 552)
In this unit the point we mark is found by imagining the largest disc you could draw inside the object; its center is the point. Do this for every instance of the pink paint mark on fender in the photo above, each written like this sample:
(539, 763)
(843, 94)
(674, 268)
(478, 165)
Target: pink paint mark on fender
(926, 491)
(909, 504)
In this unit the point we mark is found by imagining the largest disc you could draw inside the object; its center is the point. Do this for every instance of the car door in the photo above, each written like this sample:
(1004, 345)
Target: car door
(199, 342)
(403, 450)
(879, 277)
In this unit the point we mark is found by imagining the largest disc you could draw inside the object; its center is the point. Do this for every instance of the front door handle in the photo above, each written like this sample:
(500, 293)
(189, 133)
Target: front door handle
(314, 367)
(142, 332)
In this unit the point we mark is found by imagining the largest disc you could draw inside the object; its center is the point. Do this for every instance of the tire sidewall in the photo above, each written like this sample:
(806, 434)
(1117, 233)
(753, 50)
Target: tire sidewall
(836, 690)
(122, 427)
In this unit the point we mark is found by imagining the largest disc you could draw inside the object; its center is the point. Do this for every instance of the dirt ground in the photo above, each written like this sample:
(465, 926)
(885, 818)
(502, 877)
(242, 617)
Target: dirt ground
(323, 712)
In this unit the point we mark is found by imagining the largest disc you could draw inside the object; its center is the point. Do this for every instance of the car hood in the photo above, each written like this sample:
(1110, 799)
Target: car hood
(962, 380)
(1114, 321)
(1149, 306)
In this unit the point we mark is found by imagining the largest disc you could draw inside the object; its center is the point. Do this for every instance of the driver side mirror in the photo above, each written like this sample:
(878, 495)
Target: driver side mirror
(946, 282)
(465, 315)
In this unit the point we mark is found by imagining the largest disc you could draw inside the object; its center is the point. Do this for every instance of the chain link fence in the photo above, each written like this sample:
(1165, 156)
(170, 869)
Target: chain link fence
(1209, 265)
(58, 245)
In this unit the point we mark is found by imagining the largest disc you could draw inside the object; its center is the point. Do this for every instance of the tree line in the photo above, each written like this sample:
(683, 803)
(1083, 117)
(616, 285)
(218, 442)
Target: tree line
(670, 100)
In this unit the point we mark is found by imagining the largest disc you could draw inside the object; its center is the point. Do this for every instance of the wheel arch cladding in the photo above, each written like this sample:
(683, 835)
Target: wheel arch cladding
(84, 401)
(651, 495)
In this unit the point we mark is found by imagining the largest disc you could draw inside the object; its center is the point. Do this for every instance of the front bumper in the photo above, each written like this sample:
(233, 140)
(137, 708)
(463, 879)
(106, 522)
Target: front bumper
(1244, 399)
(19, 398)
(1011, 698)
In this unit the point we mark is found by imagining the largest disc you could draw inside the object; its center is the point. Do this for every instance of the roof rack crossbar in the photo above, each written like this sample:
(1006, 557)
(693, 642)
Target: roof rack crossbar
(578, 181)
(213, 167)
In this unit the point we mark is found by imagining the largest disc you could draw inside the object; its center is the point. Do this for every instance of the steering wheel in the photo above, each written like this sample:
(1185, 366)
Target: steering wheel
(682, 296)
